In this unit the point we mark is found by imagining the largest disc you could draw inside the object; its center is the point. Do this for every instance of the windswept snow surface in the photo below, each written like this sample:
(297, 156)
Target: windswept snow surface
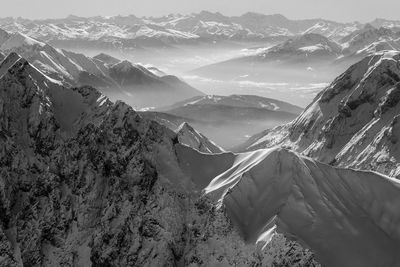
(347, 217)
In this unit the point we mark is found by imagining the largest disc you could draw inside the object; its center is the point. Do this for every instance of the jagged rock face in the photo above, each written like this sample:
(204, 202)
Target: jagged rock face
(88, 182)
(350, 123)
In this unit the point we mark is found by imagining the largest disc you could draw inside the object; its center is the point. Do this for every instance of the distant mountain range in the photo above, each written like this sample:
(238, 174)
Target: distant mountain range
(309, 57)
(135, 33)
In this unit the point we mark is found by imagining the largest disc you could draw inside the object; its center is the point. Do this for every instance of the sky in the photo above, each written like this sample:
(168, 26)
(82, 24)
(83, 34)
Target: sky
(338, 10)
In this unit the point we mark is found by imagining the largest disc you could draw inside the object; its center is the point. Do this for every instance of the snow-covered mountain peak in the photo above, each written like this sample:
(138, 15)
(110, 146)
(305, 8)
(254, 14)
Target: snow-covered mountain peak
(133, 32)
(374, 71)
(309, 47)
(369, 40)
(311, 40)
(351, 122)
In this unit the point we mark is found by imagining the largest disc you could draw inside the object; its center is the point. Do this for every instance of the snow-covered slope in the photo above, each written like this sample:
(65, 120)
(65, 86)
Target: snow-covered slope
(192, 138)
(349, 218)
(306, 48)
(59, 64)
(353, 122)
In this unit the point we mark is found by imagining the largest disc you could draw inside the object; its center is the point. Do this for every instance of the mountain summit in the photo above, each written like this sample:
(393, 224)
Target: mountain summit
(352, 122)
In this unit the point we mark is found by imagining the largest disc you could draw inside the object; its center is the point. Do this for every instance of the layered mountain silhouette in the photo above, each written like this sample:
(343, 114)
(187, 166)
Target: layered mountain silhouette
(129, 32)
(118, 79)
(227, 120)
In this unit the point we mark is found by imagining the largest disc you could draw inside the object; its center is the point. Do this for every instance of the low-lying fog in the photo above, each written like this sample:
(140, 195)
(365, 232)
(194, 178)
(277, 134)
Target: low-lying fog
(296, 86)
(292, 91)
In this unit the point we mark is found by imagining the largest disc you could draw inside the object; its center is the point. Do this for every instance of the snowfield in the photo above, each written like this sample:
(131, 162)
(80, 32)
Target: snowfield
(347, 217)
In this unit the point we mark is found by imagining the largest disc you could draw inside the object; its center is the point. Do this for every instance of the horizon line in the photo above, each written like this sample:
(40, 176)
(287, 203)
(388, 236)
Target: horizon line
(192, 13)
